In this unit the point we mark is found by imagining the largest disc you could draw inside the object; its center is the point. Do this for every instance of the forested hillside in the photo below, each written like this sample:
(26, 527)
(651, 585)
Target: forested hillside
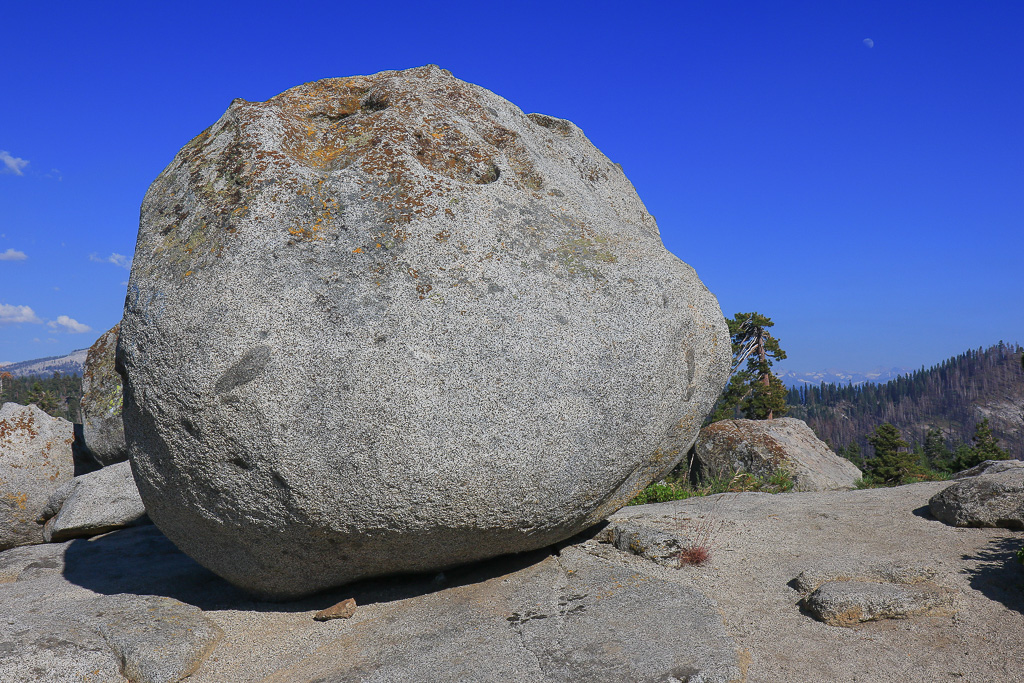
(952, 397)
(59, 395)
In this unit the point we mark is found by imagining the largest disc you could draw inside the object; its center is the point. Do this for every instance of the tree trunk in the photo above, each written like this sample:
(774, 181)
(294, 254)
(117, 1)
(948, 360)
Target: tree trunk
(761, 356)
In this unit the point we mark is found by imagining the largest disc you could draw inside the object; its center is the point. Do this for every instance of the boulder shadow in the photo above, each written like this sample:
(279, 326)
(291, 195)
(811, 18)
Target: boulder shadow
(925, 512)
(997, 574)
(142, 561)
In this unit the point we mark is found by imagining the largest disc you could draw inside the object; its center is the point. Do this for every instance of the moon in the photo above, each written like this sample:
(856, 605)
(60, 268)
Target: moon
(869, 43)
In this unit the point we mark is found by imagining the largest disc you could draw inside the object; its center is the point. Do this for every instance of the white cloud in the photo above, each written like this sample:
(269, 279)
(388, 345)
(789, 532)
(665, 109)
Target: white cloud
(12, 255)
(119, 260)
(69, 324)
(11, 164)
(17, 314)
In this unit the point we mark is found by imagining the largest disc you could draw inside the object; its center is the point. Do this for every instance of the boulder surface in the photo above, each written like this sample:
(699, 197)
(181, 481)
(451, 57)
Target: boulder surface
(391, 323)
(993, 499)
(763, 447)
(35, 460)
(102, 427)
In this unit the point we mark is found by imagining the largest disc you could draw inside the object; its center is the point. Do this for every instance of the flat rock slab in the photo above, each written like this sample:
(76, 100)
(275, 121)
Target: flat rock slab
(157, 639)
(95, 503)
(51, 633)
(129, 606)
(845, 603)
(54, 628)
(763, 541)
(594, 612)
(572, 617)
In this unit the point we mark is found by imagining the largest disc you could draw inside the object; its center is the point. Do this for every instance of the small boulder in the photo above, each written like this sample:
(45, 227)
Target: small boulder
(845, 603)
(990, 467)
(994, 498)
(764, 447)
(94, 504)
(35, 459)
(102, 427)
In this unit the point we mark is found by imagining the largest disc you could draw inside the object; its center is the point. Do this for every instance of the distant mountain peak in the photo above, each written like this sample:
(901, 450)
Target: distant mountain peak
(835, 376)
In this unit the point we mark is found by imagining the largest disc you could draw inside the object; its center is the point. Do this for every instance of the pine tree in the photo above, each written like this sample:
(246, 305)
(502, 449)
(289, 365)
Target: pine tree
(935, 450)
(755, 390)
(985, 448)
(891, 463)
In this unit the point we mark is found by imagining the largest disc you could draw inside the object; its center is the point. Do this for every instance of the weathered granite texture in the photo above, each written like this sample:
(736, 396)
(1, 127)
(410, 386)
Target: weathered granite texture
(586, 613)
(763, 447)
(844, 593)
(989, 467)
(994, 498)
(93, 504)
(35, 459)
(583, 610)
(391, 323)
(102, 426)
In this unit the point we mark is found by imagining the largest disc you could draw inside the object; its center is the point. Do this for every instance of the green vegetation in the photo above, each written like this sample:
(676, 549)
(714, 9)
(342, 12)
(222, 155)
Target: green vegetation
(892, 463)
(934, 409)
(754, 392)
(896, 463)
(1020, 555)
(59, 395)
(677, 486)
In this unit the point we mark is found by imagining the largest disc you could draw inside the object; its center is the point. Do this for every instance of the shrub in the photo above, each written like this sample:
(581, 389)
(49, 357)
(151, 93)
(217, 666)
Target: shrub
(679, 487)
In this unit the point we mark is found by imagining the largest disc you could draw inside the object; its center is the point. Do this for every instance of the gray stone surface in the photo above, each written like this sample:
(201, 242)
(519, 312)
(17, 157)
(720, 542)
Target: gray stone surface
(845, 603)
(157, 639)
(604, 610)
(844, 569)
(657, 546)
(989, 467)
(572, 617)
(763, 447)
(763, 541)
(391, 323)
(993, 499)
(95, 503)
(85, 610)
(35, 460)
(102, 427)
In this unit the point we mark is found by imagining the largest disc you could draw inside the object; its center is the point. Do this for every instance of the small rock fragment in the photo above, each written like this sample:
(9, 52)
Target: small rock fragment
(343, 610)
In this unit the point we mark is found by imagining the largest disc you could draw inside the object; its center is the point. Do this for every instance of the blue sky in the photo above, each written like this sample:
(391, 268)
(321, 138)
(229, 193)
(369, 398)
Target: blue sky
(853, 170)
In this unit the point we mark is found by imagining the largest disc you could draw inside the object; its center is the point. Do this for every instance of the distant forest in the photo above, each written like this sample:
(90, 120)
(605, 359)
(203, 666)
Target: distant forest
(953, 397)
(59, 395)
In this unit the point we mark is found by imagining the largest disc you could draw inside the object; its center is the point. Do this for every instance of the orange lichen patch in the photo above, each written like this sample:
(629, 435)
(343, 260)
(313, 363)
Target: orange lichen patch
(22, 425)
(20, 500)
(357, 250)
